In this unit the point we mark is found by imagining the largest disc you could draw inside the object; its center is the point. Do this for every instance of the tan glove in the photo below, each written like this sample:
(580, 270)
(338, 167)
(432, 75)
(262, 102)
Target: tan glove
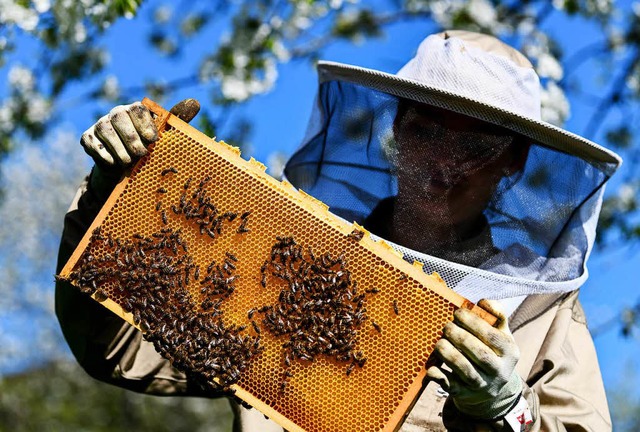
(121, 137)
(482, 382)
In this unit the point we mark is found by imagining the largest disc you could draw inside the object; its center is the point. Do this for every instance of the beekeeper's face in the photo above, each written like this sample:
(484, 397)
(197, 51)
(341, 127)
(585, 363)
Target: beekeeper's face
(449, 164)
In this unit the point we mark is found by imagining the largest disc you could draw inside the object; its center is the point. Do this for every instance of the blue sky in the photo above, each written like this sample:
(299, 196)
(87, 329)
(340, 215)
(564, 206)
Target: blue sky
(280, 119)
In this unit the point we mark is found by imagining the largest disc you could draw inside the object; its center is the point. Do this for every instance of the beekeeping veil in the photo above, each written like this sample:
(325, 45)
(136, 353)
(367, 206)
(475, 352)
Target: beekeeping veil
(450, 162)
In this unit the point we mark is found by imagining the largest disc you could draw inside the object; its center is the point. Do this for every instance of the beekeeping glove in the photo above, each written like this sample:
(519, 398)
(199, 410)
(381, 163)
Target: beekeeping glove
(121, 137)
(482, 380)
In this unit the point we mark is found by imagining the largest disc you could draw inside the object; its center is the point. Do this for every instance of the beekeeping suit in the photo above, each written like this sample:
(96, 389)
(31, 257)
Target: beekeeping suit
(449, 161)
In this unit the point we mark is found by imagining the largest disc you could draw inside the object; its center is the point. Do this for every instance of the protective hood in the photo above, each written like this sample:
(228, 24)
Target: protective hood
(496, 213)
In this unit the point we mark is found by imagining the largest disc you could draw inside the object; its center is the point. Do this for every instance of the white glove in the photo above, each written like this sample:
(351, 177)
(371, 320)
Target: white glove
(483, 382)
(120, 138)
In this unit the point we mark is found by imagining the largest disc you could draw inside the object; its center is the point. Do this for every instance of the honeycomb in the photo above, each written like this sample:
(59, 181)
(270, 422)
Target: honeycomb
(405, 308)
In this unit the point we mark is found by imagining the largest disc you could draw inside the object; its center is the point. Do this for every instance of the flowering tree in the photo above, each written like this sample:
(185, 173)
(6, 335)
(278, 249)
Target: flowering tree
(69, 58)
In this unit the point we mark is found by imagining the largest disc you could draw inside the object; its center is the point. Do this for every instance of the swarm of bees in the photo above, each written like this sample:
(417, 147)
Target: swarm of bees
(319, 309)
(152, 276)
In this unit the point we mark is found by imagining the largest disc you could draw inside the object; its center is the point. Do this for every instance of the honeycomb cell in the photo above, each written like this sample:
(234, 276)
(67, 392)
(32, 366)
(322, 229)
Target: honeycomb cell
(223, 208)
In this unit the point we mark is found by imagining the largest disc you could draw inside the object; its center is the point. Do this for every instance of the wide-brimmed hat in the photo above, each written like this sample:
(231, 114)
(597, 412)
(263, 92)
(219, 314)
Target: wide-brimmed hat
(479, 76)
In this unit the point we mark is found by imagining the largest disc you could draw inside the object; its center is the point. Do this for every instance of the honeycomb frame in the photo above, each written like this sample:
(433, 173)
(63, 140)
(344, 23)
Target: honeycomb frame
(409, 311)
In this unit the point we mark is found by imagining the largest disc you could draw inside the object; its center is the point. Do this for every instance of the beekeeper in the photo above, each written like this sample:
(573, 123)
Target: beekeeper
(449, 161)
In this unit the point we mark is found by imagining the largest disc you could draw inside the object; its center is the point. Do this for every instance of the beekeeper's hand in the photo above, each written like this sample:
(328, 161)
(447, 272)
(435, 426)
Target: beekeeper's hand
(121, 137)
(482, 382)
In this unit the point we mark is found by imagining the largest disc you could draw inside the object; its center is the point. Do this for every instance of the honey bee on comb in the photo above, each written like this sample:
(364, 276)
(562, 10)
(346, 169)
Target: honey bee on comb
(318, 307)
(152, 277)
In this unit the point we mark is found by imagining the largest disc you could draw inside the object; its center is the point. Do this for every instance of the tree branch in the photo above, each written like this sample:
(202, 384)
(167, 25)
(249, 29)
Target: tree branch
(601, 111)
(582, 55)
(381, 20)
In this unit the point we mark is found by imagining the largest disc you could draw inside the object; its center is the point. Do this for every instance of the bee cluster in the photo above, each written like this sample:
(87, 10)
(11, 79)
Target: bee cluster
(152, 275)
(319, 308)
(197, 207)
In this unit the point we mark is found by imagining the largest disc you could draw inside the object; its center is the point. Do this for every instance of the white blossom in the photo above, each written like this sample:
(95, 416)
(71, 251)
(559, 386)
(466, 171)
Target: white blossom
(80, 32)
(602, 7)
(276, 22)
(240, 59)
(482, 12)
(111, 87)
(549, 66)
(234, 88)
(626, 194)
(21, 78)
(555, 106)
(633, 82)
(38, 109)
(526, 26)
(12, 13)
(559, 4)
(42, 6)
(616, 39)
(264, 30)
(98, 10)
(6, 118)
(301, 22)
(280, 51)
(442, 12)
(417, 6)
(238, 88)
(162, 14)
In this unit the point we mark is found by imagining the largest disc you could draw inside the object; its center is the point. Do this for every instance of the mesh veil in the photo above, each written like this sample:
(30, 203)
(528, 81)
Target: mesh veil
(496, 215)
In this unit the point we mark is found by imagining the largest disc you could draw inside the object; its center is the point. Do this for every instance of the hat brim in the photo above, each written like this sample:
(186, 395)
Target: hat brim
(539, 131)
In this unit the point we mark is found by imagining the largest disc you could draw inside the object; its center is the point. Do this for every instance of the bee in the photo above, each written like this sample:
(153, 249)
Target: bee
(230, 216)
(376, 326)
(395, 307)
(372, 290)
(245, 215)
(255, 327)
(350, 368)
(210, 268)
(251, 312)
(168, 170)
(188, 183)
(231, 256)
(356, 234)
(161, 190)
(164, 217)
(283, 386)
(403, 277)
(100, 295)
(158, 205)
